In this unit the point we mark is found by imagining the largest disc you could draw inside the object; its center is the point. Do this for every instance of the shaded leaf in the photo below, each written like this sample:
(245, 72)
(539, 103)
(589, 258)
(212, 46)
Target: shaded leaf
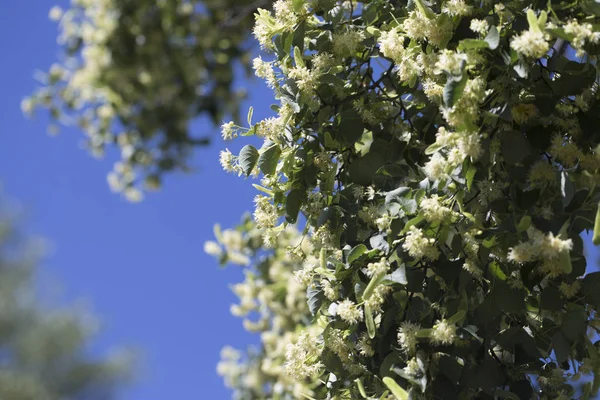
(398, 276)
(574, 324)
(292, 205)
(561, 346)
(468, 44)
(591, 288)
(363, 170)
(356, 252)
(315, 297)
(380, 242)
(396, 194)
(567, 189)
(247, 158)
(396, 390)
(514, 147)
(454, 89)
(267, 161)
(591, 6)
(369, 321)
(493, 38)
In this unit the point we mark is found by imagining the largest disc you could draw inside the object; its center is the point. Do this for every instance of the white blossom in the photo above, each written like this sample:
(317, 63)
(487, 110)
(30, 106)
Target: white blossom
(418, 246)
(456, 8)
(264, 70)
(226, 158)
(436, 167)
(443, 333)
(349, 312)
(228, 131)
(530, 43)
(391, 44)
(377, 268)
(301, 358)
(346, 43)
(407, 336)
(55, 13)
(434, 210)
(212, 248)
(480, 26)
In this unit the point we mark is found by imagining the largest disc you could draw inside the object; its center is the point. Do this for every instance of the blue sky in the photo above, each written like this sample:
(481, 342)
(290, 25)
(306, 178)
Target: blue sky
(141, 266)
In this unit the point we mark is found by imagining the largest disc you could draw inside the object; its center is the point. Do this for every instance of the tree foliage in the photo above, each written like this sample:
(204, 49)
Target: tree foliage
(136, 73)
(442, 158)
(44, 351)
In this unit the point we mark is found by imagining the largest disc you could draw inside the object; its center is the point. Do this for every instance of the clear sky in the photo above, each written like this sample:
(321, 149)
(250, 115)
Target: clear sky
(141, 266)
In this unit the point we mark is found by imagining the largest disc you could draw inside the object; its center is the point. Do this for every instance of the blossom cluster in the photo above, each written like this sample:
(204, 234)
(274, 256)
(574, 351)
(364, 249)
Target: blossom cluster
(440, 191)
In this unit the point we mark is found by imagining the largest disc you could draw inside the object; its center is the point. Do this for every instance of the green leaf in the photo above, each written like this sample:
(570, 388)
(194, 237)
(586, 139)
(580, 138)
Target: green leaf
(496, 271)
(373, 283)
(559, 33)
(387, 366)
(250, 112)
(508, 299)
(427, 12)
(396, 390)
(469, 176)
(371, 13)
(591, 6)
(596, 382)
(567, 189)
(433, 148)
(524, 223)
(565, 262)
(362, 170)
(587, 390)
(267, 162)
(561, 346)
(412, 222)
(493, 38)
(533, 22)
(248, 158)
(454, 89)
(350, 126)
(356, 252)
(315, 297)
(263, 189)
(514, 147)
(522, 69)
(292, 205)
(450, 367)
(398, 276)
(361, 388)
(396, 195)
(574, 324)
(503, 394)
(369, 321)
(542, 19)
(380, 242)
(551, 299)
(489, 374)
(458, 317)
(591, 283)
(373, 31)
(326, 215)
(331, 361)
(596, 237)
(469, 44)
(298, 57)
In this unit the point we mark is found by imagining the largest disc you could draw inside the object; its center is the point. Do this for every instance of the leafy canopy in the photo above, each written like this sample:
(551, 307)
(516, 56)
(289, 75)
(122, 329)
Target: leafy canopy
(440, 160)
(135, 74)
